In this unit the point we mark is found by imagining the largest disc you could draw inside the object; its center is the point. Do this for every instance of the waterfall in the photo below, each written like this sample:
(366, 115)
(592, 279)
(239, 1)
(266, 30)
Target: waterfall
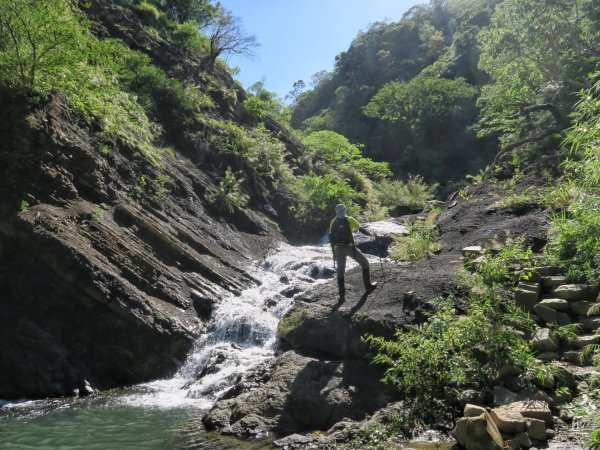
(242, 330)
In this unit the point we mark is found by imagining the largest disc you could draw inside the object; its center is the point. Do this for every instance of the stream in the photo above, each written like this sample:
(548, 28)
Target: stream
(166, 414)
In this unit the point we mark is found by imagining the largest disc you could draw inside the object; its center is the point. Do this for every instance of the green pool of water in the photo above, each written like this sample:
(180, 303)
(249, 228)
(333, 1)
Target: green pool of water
(103, 424)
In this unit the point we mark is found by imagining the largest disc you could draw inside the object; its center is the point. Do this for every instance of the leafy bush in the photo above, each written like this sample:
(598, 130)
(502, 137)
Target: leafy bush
(228, 196)
(576, 238)
(421, 241)
(333, 152)
(413, 193)
(317, 197)
(460, 349)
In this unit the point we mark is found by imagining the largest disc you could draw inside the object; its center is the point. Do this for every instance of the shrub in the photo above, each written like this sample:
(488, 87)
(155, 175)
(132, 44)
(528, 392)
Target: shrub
(459, 347)
(421, 241)
(317, 197)
(413, 193)
(575, 241)
(228, 195)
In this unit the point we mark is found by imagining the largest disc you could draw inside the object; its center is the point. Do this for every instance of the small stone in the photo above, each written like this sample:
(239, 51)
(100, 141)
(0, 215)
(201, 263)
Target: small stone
(573, 292)
(473, 410)
(550, 316)
(557, 304)
(573, 356)
(544, 340)
(554, 281)
(293, 441)
(503, 396)
(474, 250)
(550, 434)
(536, 429)
(560, 398)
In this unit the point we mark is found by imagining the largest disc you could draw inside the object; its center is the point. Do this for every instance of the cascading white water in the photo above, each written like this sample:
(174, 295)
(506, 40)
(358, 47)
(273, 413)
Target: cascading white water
(242, 332)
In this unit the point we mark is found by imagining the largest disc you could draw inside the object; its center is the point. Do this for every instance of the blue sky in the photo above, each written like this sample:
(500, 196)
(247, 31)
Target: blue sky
(301, 37)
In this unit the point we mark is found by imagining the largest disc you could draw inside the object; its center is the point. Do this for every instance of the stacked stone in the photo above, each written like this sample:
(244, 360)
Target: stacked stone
(521, 416)
(554, 302)
(522, 424)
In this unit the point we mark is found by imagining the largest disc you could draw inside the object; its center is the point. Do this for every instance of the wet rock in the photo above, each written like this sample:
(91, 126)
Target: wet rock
(301, 393)
(548, 356)
(291, 291)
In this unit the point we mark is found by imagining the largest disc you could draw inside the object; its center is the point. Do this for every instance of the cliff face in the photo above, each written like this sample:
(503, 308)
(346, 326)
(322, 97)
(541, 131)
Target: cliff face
(105, 278)
(110, 261)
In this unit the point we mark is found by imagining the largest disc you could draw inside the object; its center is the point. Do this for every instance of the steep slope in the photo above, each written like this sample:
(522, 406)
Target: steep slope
(112, 259)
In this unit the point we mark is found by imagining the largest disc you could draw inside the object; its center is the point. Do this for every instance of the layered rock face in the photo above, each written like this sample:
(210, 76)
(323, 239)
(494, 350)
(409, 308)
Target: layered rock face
(106, 274)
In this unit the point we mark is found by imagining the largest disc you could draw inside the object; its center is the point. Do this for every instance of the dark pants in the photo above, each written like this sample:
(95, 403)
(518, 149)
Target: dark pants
(341, 253)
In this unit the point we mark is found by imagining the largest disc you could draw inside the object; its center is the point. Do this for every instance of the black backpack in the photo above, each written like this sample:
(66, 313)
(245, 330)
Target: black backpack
(340, 233)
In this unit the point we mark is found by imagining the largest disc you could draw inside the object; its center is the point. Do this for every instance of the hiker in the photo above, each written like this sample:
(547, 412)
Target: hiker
(341, 238)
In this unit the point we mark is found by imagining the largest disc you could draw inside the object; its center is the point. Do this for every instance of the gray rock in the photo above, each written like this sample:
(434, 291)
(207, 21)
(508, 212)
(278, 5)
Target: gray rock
(302, 393)
(293, 441)
(527, 295)
(544, 340)
(478, 433)
(473, 410)
(581, 308)
(573, 292)
(550, 316)
(557, 304)
(587, 339)
(508, 419)
(536, 429)
(554, 281)
(548, 356)
(590, 323)
(472, 251)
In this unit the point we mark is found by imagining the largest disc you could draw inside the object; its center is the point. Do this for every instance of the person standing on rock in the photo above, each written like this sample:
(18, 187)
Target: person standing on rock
(341, 238)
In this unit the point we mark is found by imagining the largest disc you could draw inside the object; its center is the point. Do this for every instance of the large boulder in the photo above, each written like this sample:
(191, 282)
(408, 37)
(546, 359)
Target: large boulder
(301, 393)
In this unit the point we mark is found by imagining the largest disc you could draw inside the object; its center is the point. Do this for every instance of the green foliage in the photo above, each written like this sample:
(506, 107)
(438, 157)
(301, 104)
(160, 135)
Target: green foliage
(421, 242)
(290, 322)
(148, 11)
(49, 49)
(536, 52)
(188, 36)
(576, 238)
(462, 349)
(317, 196)
(24, 205)
(228, 196)
(331, 151)
(254, 151)
(200, 11)
(413, 193)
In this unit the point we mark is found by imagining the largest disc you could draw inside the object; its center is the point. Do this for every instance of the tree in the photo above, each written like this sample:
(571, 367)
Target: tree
(297, 89)
(538, 53)
(226, 36)
(200, 11)
(424, 104)
(37, 39)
